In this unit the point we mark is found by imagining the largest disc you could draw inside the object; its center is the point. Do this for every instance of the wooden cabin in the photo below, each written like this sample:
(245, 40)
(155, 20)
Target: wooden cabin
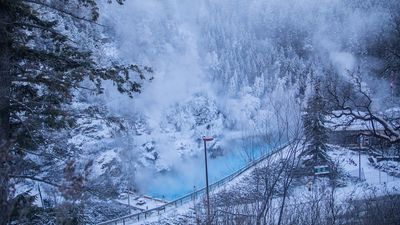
(344, 131)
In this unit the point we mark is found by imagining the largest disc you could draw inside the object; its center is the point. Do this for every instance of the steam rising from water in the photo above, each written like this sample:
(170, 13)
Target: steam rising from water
(219, 48)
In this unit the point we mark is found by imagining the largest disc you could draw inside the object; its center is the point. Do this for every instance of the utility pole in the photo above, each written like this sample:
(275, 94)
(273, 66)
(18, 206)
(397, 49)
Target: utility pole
(205, 139)
(361, 140)
(359, 164)
(129, 201)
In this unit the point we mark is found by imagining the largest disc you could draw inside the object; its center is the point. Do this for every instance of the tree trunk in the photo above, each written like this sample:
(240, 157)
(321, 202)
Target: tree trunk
(5, 89)
(283, 205)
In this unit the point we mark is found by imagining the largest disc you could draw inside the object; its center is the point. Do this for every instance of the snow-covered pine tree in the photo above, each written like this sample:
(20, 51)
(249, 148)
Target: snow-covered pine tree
(259, 85)
(315, 131)
(41, 67)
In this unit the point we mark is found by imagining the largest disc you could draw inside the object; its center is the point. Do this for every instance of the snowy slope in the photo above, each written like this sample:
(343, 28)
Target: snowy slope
(375, 182)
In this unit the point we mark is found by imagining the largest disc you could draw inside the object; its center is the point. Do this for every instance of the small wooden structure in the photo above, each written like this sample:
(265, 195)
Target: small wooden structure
(347, 132)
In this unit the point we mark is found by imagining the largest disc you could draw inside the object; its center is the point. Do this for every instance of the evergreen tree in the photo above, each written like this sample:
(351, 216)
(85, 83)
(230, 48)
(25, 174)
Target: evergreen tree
(41, 67)
(315, 130)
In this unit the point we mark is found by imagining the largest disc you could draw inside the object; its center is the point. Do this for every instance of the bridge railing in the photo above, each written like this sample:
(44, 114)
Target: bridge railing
(136, 217)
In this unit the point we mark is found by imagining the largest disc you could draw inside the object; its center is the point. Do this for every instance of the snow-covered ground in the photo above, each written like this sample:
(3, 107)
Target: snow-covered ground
(141, 203)
(349, 160)
(372, 180)
(371, 177)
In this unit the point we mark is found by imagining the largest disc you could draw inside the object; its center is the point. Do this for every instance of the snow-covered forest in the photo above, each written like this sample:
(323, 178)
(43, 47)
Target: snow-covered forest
(103, 106)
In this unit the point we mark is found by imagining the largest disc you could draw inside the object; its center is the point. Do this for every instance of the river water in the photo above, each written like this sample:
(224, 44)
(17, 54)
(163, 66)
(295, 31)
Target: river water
(190, 175)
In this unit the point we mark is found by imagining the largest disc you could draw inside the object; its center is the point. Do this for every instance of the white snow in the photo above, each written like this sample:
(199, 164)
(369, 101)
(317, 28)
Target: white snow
(373, 181)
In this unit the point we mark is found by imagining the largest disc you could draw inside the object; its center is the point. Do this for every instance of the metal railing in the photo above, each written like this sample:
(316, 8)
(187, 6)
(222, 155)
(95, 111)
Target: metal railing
(136, 217)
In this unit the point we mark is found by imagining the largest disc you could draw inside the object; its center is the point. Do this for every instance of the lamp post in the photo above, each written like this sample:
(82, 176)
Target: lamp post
(129, 200)
(359, 164)
(205, 139)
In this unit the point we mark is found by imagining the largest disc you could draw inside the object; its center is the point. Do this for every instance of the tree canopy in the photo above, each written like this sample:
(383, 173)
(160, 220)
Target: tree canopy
(315, 131)
(41, 67)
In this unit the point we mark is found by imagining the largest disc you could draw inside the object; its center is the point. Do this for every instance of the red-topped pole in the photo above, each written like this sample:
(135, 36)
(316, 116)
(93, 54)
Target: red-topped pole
(205, 139)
